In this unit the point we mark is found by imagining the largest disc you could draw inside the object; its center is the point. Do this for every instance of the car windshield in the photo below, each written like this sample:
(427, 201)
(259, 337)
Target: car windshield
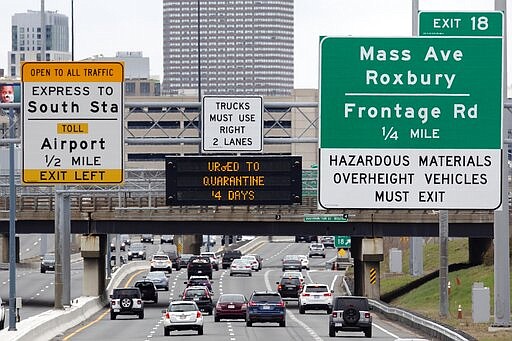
(130, 293)
(159, 257)
(316, 288)
(180, 307)
(144, 285)
(316, 246)
(266, 298)
(231, 298)
(240, 261)
(352, 302)
(137, 247)
(198, 281)
(155, 274)
(292, 281)
(49, 257)
(194, 292)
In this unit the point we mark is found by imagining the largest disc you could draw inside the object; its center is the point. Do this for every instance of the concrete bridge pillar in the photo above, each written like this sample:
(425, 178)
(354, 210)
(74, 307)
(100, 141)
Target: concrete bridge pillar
(4, 248)
(93, 249)
(367, 253)
(477, 249)
(192, 243)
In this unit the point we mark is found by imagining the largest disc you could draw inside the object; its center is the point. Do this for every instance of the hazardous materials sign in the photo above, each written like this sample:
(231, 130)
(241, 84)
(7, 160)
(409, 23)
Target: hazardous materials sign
(72, 114)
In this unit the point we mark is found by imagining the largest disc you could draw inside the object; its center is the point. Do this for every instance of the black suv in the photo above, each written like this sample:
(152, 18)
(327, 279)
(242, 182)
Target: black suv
(289, 287)
(148, 290)
(199, 266)
(48, 262)
(350, 313)
(201, 296)
(228, 257)
(126, 301)
(266, 306)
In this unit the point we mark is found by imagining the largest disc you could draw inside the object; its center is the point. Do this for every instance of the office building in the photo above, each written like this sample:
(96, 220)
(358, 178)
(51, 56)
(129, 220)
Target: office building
(26, 39)
(246, 47)
(137, 79)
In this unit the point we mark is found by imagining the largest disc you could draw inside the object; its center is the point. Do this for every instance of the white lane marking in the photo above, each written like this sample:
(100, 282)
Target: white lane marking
(333, 281)
(35, 243)
(289, 313)
(385, 331)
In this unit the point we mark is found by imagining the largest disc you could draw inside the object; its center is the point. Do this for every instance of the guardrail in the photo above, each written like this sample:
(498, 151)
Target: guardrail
(432, 328)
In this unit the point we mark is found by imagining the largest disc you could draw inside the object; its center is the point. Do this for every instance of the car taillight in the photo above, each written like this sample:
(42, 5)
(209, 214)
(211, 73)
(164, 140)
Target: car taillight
(366, 315)
(327, 294)
(252, 304)
(280, 304)
(218, 306)
(198, 315)
(300, 287)
(305, 294)
(244, 306)
(167, 316)
(113, 302)
(139, 301)
(334, 314)
(279, 287)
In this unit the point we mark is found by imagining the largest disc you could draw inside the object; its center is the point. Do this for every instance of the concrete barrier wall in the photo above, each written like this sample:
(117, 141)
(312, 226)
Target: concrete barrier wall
(51, 323)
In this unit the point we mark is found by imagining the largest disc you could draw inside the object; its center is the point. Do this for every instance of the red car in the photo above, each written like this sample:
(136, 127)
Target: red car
(230, 306)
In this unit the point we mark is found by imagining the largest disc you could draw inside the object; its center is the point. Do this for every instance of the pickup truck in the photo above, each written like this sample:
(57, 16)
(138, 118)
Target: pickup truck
(228, 257)
(199, 266)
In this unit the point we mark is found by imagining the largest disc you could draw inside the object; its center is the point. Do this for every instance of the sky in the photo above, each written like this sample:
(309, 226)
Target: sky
(104, 27)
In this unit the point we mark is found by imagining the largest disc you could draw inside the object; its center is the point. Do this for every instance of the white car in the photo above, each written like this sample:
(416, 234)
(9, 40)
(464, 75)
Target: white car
(240, 266)
(293, 274)
(255, 265)
(305, 261)
(213, 259)
(161, 262)
(183, 315)
(315, 296)
(316, 249)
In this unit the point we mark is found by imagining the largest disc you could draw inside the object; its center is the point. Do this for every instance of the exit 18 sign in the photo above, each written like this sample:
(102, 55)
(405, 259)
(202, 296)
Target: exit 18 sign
(72, 114)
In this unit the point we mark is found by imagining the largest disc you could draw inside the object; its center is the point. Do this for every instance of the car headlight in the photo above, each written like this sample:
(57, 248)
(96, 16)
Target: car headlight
(130, 253)
(141, 253)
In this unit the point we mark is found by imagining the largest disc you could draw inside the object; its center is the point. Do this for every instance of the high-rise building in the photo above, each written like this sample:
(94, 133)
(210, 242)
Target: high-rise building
(246, 47)
(26, 39)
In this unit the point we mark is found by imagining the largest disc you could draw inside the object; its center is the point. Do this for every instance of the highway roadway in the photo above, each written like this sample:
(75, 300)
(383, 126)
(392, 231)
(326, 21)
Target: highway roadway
(311, 326)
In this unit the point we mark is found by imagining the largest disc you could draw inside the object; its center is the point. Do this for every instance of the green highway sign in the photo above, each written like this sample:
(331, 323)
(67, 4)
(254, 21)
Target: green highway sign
(325, 218)
(469, 24)
(342, 241)
(411, 93)
(410, 123)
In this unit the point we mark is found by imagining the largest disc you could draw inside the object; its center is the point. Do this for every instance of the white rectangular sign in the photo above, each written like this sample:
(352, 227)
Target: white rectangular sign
(409, 178)
(72, 114)
(232, 124)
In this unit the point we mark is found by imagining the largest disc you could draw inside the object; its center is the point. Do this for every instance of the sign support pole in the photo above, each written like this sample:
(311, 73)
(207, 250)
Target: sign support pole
(501, 215)
(12, 228)
(415, 243)
(443, 264)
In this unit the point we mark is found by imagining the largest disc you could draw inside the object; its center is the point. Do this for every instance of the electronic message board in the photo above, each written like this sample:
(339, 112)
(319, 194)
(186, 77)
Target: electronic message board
(234, 180)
